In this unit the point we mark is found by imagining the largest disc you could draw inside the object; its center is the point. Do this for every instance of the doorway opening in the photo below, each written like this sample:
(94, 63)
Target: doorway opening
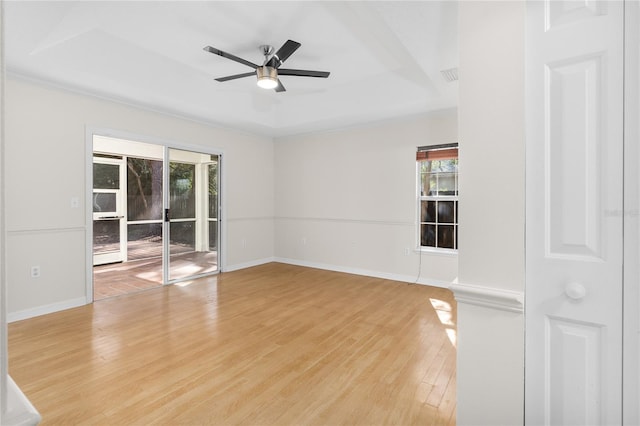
(155, 215)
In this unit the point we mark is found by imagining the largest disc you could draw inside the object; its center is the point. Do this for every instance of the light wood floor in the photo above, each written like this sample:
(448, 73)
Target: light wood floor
(116, 279)
(270, 345)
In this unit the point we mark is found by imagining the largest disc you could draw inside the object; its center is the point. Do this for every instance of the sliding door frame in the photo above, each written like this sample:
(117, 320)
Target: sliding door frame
(90, 132)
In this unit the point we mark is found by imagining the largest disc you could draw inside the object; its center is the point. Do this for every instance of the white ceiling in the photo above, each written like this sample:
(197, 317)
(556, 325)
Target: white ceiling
(385, 58)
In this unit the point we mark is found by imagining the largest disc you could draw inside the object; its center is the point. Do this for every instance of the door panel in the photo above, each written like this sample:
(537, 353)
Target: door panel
(192, 180)
(573, 175)
(212, 211)
(575, 368)
(109, 226)
(144, 208)
(574, 212)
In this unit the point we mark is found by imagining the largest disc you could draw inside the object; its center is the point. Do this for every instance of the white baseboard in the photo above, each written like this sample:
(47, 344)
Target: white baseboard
(80, 301)
(46, 309)
(257, 262)
(19, 410)
(365, 272)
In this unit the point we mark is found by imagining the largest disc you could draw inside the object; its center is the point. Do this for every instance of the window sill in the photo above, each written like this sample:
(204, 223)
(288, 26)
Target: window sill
(436, 251)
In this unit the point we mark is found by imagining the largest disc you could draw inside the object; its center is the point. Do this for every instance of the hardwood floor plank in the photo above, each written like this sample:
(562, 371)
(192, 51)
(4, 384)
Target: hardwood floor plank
(270, 345)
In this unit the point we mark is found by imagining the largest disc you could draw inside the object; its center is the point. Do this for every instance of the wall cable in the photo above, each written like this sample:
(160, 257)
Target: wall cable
(419, 267)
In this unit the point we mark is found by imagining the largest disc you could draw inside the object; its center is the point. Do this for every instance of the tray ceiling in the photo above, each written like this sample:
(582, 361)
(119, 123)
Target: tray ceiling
(385, 58)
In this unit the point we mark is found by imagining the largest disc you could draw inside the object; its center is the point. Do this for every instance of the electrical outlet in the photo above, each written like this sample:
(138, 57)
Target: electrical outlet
(35, 272)
(304, 241)
(75, 202)
(407, 251)
(244, 243)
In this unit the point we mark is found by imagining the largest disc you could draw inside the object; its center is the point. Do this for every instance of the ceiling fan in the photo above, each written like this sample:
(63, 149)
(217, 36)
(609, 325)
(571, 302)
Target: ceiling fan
(268, 72)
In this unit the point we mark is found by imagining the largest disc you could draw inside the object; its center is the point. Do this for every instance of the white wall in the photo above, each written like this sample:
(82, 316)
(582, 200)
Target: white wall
(346, 199)
(45, 168)
(4, 371)
(491, 254)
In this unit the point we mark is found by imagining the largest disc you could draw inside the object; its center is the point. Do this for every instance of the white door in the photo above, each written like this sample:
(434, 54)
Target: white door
(574, 212)
(109, 226)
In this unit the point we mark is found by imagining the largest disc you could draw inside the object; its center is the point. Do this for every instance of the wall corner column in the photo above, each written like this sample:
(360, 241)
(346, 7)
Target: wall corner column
(491, 255)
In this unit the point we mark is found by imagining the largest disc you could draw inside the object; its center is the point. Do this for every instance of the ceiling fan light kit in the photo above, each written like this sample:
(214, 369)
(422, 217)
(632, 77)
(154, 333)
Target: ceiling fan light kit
(267, 77)
(268, 72)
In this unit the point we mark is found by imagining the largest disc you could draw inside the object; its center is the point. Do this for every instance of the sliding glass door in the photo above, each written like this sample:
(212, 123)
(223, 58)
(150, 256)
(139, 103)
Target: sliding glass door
(155, 215)
(191, 219)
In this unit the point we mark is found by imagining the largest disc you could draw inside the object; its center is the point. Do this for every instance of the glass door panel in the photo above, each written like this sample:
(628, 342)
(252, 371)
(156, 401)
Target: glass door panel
(212, 220)
(128, 212)
(192, 181)
(144, 208)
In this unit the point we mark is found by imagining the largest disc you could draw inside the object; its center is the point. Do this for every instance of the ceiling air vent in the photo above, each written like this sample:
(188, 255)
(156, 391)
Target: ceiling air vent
(450, 75)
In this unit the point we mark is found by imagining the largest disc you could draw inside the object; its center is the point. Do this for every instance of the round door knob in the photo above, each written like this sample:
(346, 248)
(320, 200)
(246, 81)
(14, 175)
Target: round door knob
(575, 291)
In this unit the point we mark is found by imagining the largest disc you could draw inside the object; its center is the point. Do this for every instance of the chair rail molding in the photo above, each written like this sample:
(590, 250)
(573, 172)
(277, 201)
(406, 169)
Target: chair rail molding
(489, 297)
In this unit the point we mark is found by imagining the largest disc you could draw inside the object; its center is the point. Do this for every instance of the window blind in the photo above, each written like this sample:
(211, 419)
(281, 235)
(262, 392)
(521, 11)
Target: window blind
(437, 152)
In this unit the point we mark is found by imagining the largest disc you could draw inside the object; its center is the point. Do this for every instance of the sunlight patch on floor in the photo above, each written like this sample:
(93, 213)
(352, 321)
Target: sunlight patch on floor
(445, 315)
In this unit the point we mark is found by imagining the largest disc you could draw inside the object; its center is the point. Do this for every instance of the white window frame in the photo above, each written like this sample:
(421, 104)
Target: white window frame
(420, 198)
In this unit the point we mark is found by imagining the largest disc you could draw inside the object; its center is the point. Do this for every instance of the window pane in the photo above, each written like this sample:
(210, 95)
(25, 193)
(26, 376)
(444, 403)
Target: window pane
(183, 237)
(144, 189)
(424, 184)
(456, 184)
(428, 235)
(433, 184)
(182, 190)
(447, 184)
(428, 213)
(450, 165)
(106, 176)
(445, 236)
(426, 178)
(104, 202)
(213, 190)
(456, 204)
(144, 241)
(213, 235)
(456, 232)
(446, 213)
(106, 236)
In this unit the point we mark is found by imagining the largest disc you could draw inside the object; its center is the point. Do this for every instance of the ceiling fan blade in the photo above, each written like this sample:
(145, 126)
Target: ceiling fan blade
(283, 53)
(280, 87)
(304, 73)
(233, 77)
(229, 56)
